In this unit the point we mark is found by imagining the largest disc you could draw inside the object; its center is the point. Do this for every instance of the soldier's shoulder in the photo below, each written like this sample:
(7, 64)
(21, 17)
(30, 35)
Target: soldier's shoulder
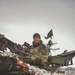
(42, 46)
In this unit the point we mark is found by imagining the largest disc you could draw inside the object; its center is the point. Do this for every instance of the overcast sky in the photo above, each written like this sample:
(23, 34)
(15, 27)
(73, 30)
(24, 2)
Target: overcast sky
(20, 19)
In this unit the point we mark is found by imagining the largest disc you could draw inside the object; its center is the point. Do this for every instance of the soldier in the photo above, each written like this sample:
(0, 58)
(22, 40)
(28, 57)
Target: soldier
(37, 47)
(38, 52)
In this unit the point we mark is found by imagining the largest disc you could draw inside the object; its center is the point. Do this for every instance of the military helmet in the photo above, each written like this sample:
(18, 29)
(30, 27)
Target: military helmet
(36, 35)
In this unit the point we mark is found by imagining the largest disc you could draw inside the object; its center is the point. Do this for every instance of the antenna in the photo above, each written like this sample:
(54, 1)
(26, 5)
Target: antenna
(50, 43)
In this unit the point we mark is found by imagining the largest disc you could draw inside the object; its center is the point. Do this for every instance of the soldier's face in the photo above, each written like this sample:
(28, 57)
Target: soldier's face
(36, 39)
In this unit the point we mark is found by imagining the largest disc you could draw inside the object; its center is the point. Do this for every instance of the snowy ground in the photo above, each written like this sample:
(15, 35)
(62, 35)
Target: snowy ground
(44, 72)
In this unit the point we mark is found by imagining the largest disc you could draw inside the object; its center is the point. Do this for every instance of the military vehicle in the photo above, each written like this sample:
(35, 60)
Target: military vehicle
(51, 63)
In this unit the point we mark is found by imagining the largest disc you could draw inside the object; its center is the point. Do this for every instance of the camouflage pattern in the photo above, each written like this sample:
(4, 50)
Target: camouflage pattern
(38, 50)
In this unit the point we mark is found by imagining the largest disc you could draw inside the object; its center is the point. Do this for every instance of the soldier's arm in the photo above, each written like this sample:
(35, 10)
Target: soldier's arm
(43, 49)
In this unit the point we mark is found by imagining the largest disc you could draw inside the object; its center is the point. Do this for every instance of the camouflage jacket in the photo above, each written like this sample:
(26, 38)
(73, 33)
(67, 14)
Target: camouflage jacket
(39, 49)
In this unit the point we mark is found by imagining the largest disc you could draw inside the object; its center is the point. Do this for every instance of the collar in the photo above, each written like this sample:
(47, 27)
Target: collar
(37, 44)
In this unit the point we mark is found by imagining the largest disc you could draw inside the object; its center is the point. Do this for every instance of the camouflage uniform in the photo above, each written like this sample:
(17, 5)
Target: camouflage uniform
(38, 52)
(38, 49)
